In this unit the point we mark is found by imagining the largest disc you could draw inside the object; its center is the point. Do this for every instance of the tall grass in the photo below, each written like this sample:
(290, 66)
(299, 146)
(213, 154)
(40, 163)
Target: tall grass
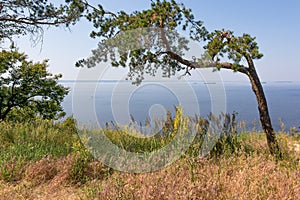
(238, 167)
(21, 143)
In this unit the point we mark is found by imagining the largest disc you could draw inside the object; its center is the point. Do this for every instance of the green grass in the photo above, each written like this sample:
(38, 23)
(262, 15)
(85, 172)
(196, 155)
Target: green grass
(42, 152)
(34, 140)
(21, 143)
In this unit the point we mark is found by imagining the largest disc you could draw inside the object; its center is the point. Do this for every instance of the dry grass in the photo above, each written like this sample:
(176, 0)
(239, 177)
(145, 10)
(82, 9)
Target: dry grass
(41, 171)
(238, 177)
(62, 168)
(242, 177)
(45, 179)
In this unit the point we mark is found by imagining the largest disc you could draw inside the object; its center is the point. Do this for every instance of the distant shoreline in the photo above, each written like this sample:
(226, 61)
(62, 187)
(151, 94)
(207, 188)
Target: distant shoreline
(189, 81)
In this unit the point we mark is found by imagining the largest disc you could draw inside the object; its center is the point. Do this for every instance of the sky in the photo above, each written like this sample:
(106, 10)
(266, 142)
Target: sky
(275, 23)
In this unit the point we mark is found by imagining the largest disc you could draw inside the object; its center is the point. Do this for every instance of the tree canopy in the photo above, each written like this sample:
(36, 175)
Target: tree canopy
(160, 46)
(22, 17)
(28, 86)
(160, 40)
(163, 48)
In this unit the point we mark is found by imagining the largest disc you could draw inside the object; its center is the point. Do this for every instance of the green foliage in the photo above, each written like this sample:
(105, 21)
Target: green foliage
(224, 43)
(138, 39)
(22, 17)
(146, 41)
(27, 88)
(78, 172)
(35, 139)
(133, 140)
(162, 14)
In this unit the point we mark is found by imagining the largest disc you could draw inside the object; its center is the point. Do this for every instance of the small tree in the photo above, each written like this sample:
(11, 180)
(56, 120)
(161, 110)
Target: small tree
(224, 43)
(28, 86)
(163, 50)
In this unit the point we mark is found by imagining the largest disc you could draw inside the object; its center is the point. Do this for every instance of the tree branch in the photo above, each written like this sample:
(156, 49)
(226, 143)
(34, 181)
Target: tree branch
(250, 62)
(163, 36)
(195, 65)
(30, 21)
(105, 11)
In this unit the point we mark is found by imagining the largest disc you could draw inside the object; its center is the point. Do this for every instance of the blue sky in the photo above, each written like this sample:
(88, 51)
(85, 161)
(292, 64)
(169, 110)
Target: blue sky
(276, 24)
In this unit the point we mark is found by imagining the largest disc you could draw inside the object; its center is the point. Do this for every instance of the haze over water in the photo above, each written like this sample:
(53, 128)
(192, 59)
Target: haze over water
(152, 97)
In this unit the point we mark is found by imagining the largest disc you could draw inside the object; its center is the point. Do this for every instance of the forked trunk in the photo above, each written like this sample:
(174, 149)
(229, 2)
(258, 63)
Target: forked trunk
(264, 112)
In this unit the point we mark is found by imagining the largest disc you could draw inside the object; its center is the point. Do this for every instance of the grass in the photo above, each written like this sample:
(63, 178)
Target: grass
(46, 160)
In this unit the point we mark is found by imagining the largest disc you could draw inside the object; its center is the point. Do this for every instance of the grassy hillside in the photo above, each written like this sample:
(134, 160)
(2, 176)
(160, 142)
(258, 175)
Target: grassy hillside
(46, 160)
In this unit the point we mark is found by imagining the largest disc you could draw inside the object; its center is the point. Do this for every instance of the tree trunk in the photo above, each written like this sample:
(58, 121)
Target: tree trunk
(264, 112)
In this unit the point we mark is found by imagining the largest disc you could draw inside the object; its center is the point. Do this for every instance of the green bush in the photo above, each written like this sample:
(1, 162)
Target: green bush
(82, 157)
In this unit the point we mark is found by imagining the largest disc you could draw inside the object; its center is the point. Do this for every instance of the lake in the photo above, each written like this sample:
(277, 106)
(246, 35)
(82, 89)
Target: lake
(120, 101)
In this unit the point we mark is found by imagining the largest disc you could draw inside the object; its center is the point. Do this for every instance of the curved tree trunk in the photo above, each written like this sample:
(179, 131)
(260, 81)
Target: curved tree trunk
(257, 88)
(264, 112)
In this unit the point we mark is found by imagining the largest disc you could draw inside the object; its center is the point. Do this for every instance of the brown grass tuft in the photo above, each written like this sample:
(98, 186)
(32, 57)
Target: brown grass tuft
(41, 171)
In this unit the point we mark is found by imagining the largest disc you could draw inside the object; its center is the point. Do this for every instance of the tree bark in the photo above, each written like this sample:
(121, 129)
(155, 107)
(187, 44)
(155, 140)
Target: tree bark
(264, 112)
